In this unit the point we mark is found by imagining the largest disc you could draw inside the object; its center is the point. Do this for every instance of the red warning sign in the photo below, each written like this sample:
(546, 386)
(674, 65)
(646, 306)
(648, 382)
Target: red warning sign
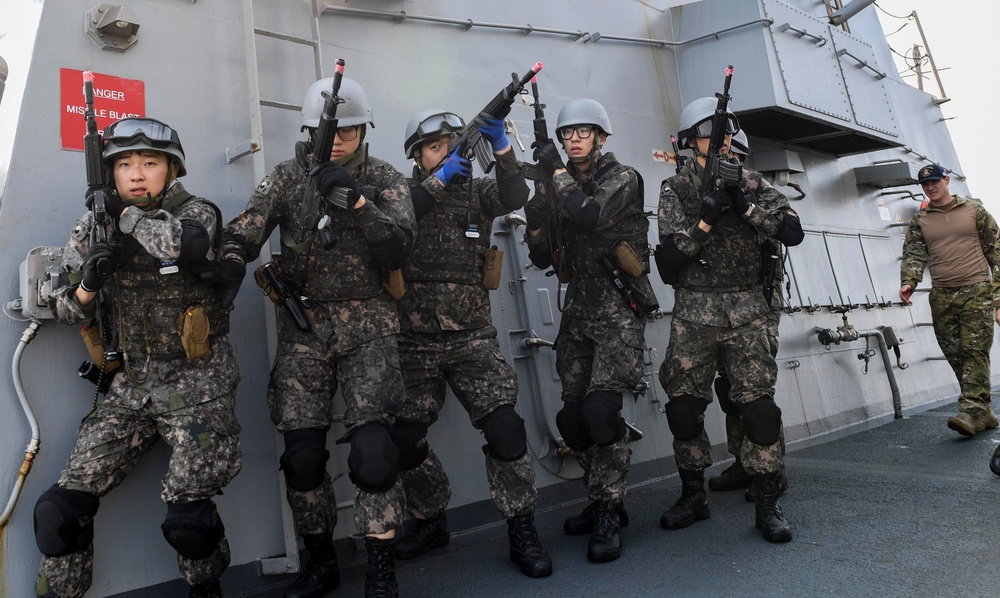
(114, 98)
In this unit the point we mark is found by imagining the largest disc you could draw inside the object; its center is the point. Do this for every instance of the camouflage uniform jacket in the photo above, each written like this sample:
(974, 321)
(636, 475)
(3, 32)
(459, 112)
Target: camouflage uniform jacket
(721, 285)
(918, 251)
(591, 294)
(147, 305)
(444, 274)
(351, 306)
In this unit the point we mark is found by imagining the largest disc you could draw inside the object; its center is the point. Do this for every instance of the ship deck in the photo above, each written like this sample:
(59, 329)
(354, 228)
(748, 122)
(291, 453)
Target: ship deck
(905, 508)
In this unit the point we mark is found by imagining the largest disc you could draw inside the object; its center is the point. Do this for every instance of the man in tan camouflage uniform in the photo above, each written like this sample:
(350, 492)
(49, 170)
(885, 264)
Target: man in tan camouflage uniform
(578, 217)
(448, 337)
(160, 238)
(735, 477)
(957, 239)
(350, 343)
(713, 245)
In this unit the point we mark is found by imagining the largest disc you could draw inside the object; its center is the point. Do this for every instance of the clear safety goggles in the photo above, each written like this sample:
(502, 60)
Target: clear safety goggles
(704, 128)
(443, 123)
(130, 131)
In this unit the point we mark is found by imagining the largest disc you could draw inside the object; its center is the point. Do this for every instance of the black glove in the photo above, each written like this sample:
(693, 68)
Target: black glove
(113, 204)
(739, 202)
(537, 211)
(227, 276)
(713, 205)
(547, 155)
(330, 175)
(98, 267)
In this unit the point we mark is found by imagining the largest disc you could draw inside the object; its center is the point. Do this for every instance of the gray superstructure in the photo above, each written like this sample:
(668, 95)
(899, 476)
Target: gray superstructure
(823, 106)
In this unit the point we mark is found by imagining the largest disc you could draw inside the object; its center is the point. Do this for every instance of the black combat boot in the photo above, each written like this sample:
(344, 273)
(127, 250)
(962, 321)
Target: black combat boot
(321, 574)
(606, 543)
(380, 579)
(691, 506)
(579, 525)
(751, 492)
(211, 589)
(525, 549)
(423, 536)
(770, 520)
(733, 477)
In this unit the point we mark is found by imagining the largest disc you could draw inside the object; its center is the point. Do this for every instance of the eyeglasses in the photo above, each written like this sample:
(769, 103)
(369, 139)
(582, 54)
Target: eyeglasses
(582, 131)
(348, 133)
(130, 131)
(704, 128)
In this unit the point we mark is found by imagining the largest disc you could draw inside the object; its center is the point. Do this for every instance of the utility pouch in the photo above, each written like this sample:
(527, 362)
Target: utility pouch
(92, 340)
(628, 260)
(261, 279)
(192, 324)
(492, 268)
(396, 286)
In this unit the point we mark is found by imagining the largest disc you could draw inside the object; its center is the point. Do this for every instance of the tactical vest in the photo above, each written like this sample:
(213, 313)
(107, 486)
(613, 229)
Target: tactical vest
(443, 252)
(585, 248)
(148, 304)
(343, 272)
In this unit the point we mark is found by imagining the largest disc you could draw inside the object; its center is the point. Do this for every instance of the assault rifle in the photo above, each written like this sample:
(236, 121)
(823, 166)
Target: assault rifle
(470, 141)
(101, 343)
(537, 174)
(718, 170)
(314, 209)
(679, 160)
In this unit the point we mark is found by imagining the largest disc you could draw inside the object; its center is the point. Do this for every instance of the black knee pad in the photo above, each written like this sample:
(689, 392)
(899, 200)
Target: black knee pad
(64, 521)
(762, 420)
(410, 438)
(722, 388)
(570, 422)
(192, 528)
(506, 438)
(304, 459)
(686, 416)
(374, 459)
(602, 417)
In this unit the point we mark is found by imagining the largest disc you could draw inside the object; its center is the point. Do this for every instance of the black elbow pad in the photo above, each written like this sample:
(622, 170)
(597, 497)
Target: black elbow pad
(673, 257)
(391, 253)
(195, 242)
(422, 200)
(790, 231)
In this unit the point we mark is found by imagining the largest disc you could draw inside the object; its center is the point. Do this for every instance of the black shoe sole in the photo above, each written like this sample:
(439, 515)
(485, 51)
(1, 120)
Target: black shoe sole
(701, 514)
(404, 555)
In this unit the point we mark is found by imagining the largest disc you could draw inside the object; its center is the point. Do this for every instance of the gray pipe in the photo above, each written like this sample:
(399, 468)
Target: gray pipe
(840, 17)
(849, 333)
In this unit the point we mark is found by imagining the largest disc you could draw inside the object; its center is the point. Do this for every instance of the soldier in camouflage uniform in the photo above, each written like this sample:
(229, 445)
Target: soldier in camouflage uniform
(160, 239)
(350, 343)
(712, 243)
(592, 205)
(735, 477)
(448, 337)
(957, 239)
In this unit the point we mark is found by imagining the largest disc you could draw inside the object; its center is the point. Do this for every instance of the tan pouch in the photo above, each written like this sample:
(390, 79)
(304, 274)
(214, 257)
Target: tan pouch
(92, 340)
(193, 327)
(492, 268)
(628, 260)
(261, 280)
(396, 287)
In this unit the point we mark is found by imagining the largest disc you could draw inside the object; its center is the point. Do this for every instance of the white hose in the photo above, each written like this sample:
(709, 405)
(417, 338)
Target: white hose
(33, 445)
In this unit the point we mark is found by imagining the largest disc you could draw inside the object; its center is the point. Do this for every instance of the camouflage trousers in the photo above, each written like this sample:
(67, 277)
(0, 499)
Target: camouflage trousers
(471, 364)
(205, 457)
(591, 356)
(963, 326)
(689, 367)
(304, 380)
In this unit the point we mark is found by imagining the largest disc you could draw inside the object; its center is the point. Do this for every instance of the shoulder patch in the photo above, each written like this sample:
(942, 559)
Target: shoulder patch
(265, 186)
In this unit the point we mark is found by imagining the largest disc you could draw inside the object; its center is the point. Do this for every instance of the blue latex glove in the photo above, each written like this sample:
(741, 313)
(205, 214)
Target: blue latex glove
(493, 129)
(454, 166)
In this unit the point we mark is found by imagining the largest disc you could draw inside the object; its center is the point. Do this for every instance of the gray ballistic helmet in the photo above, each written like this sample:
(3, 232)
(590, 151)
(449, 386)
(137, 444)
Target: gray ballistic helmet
(696, 120)
(132, 134)
(354, 111)
(430, 124)
(739, 144)
(584, 112)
